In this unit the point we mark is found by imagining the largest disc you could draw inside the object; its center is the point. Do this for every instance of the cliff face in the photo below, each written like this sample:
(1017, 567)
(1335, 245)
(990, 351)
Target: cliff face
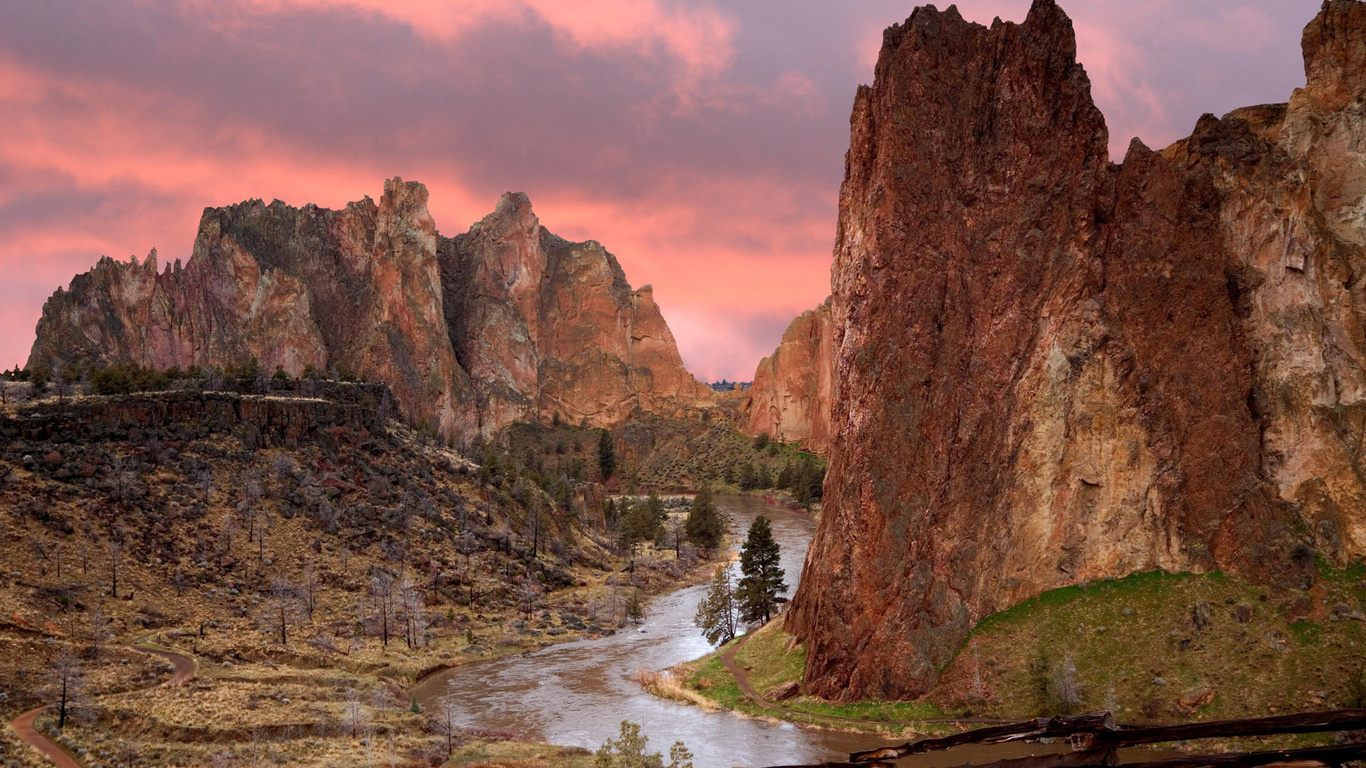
(453, 326)
(547, 327)
(1053, 368)
(793, 388)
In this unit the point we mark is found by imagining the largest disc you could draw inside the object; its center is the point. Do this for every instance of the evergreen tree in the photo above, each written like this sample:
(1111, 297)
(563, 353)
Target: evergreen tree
(762, 478)
(611, 516)
(716, 613)
(705, 526)
(607, 457)
(807, 480)
(644, 522)
(785, 476)
(761, 588)
(748, 478)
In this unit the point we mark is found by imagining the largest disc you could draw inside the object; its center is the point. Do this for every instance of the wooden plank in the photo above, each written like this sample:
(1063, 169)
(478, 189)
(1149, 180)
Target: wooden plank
(1038, 728)
(1330, 756)
(1305, 722)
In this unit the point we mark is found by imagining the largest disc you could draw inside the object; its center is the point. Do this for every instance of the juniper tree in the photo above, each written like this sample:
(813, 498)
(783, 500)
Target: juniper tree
(705, 526)
(716, 613)
(761, 587)
(607, 457)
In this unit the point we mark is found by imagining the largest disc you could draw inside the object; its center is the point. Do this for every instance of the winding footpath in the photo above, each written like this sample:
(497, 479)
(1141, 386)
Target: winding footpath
(23, 724)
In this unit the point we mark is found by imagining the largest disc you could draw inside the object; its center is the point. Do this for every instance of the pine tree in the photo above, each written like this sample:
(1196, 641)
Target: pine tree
(785, 476)
(705, 526)
(607, 457)
(762, 478)
(644, 522)
(716, 613)
(761, 588)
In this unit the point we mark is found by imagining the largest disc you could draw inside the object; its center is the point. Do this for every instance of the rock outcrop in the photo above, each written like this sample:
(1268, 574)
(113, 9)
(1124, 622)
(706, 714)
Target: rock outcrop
(547, 327)
(1053, 368)
(506, 322)
(281, 418)
(792, 390)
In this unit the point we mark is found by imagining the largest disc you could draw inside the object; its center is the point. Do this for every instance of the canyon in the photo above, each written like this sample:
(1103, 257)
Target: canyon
(503, 323)
(1053, 368)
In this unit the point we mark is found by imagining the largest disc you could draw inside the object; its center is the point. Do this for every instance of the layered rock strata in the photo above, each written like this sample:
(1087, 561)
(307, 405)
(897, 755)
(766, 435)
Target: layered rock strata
(506, 322)
(793, 388)
(1053, 368)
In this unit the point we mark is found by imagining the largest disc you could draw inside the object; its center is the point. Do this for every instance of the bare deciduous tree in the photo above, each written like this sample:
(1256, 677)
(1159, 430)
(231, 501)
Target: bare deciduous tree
(413, 602)
(114, 548)
(442, 717)
(355, 715)
(382, 595)
(308, 586)
(281, 607)
(66, 683)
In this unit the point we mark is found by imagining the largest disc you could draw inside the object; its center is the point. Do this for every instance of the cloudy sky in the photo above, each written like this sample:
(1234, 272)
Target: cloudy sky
(702, 142)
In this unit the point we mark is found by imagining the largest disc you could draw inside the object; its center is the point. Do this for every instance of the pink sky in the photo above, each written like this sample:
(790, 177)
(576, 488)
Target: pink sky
(700, 142)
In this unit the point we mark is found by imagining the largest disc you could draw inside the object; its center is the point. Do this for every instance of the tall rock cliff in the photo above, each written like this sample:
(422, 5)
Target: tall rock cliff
(1053, 368)
(547, 327)
(506, 322)
(793, 388)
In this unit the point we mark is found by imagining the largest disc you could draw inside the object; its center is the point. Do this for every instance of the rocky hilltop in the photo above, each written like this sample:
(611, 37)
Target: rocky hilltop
(506, 322)
(1091, 369)
(792, 390)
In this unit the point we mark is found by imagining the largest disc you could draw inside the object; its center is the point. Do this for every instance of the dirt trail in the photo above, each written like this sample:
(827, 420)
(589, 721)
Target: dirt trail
(23, 724)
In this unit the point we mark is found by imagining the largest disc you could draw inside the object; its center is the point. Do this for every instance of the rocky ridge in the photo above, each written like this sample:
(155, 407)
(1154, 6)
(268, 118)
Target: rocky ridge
(1093, 369)
(506, 322)
(793, 388)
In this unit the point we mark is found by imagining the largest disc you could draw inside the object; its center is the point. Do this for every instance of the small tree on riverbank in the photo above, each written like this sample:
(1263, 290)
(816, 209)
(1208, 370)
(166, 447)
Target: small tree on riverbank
(717, 612)
(705, 526)
(628, 751)
(761, 588)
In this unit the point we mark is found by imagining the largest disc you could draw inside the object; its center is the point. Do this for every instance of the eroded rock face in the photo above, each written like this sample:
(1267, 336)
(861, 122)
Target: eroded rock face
(453, 326)
(548, 327)
(1055, 369)
(793, 388)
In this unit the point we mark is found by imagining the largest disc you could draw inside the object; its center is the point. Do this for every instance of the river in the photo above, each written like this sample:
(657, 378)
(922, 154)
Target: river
(578, 693)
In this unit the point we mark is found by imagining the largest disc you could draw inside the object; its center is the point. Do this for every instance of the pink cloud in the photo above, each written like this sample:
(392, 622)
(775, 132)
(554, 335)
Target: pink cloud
(700, 37)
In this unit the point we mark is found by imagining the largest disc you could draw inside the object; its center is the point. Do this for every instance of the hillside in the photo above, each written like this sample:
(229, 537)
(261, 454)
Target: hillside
(311, 557)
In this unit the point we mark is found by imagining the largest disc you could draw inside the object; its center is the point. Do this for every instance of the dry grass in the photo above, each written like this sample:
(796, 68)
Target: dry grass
(667, 686)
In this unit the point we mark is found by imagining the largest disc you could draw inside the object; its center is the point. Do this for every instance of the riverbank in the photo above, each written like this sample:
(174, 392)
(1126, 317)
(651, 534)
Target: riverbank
(1151, 647)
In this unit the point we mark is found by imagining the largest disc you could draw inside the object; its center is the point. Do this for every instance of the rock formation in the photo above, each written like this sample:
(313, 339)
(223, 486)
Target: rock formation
(504, 323)
(1053, 368)
(792, 390)
(548, 327)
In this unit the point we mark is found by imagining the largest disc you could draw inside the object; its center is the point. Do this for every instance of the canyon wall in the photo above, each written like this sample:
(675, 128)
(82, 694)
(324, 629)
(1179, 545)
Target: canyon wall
(1053, 368)
(793, 388)
(503, 323)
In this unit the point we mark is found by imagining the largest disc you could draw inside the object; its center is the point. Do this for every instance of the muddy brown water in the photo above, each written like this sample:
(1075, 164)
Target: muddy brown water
(577, 694)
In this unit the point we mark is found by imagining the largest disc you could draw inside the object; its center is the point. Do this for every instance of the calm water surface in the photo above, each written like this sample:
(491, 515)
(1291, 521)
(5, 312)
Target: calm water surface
(577, 694)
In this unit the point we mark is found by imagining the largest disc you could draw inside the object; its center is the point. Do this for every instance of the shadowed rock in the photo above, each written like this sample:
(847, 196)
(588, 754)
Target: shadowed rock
(1052, 368)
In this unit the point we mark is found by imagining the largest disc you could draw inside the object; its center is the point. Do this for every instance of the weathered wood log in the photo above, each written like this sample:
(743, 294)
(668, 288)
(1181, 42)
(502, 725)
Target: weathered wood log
(1306, 722)
(1038, 728)
(874, 764)
(1329, 756)
(1104, 757)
